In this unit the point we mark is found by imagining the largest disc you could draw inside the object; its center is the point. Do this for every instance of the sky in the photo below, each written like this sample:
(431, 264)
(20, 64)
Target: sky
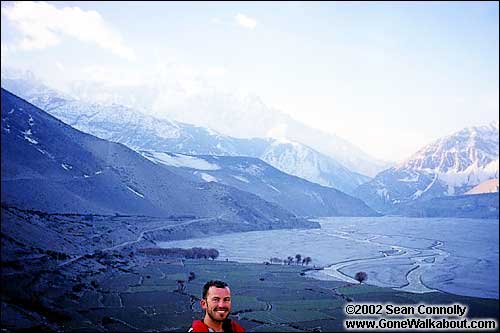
(389, 77)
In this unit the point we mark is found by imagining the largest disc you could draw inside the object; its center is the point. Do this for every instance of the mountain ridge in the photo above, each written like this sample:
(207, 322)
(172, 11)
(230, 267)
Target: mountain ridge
(451, 165)
(49, 166)
(121, 124)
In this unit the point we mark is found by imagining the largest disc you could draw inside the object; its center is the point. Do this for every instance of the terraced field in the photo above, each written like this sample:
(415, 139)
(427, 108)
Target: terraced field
(265, 298)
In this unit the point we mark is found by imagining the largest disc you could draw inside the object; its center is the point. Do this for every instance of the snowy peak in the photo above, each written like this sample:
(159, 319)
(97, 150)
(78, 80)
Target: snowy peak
(471, 146)
(449, 166)
(140, 131)
(302, 161)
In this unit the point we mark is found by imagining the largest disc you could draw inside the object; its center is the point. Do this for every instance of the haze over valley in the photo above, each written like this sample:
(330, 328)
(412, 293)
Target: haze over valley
(288, 157)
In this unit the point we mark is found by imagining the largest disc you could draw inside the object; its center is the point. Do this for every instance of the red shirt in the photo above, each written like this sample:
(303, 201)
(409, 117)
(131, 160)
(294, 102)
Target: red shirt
(199, 326)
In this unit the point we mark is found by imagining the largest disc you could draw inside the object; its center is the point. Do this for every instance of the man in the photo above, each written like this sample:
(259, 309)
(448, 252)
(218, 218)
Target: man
(216, 301)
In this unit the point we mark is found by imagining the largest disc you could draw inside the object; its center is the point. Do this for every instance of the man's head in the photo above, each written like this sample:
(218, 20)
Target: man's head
(216, 300)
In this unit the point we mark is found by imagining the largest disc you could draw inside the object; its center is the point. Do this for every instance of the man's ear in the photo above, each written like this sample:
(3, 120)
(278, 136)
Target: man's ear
(203, 303)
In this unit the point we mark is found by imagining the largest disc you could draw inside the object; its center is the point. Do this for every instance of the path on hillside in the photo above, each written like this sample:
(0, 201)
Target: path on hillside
(139, 238)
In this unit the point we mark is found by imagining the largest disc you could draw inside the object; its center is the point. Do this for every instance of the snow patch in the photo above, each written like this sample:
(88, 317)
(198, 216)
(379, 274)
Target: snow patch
(66, 166)
(274, 188)
(410, 179)
(419, 193)
(44, 152)
(243, 179)
(208, 178)
(135, 192)
(98, 172)
(179, 160)
(382, 192)
(253, 170)
(471, 176)
(27, 136)
(31, 122)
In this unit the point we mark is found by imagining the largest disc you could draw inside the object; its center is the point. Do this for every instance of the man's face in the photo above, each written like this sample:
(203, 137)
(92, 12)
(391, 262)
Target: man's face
(218, 303)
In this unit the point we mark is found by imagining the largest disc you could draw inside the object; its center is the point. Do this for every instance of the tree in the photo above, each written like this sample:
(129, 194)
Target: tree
(360, 276)
(290, 259)
(307, 260)
(180, 285)
(191, 276)
(213, 253)
(275, 260)
(298, 257)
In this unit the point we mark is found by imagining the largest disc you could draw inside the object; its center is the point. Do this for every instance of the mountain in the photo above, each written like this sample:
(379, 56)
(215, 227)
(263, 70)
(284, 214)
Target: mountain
(480, 206)
(449, 166)
(231, 114)
(226, 113)
(302, 161)
(138, 131)
(252, 175)
(49, 166)
(489, 186)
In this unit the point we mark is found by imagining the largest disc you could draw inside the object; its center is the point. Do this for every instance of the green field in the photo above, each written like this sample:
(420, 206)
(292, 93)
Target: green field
(276, 298)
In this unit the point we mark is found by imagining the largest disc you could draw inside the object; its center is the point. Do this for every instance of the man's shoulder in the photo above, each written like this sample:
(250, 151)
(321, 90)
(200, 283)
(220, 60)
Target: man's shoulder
(199, 326)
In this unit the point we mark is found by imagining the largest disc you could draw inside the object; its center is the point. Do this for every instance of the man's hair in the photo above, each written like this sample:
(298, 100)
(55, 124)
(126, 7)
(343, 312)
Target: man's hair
(213, 283)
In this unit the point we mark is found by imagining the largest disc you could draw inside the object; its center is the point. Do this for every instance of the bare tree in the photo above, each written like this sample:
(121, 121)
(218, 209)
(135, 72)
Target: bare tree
(275, 260)
(213, 254)
(361, 276)
(180, 285)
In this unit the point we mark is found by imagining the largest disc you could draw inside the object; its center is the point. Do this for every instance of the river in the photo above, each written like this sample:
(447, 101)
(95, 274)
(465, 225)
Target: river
(453, 255)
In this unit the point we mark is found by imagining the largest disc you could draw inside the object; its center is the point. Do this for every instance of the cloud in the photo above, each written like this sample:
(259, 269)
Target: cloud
(246, 21)
(43, 25)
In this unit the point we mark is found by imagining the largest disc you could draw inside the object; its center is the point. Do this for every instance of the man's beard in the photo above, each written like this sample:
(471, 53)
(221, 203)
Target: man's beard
(216, 316)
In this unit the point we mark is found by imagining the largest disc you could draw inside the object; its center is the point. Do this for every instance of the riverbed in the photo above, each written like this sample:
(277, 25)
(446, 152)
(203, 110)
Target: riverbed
(458, 256)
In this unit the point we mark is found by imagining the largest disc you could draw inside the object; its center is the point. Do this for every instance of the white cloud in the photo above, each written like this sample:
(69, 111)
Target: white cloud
(245, 21)
(43, 25)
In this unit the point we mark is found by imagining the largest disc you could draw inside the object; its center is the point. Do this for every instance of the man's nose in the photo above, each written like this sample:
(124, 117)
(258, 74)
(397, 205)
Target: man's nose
(222, 303)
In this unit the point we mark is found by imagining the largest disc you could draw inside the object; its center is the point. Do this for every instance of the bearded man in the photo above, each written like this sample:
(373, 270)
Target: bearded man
(216, 301)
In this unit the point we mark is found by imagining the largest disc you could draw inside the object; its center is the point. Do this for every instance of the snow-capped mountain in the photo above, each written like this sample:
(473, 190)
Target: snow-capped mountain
(49, 166)
(139, 131)
(252, 175)
(231, 114)
(449, 166)
(227, 113)
(302, 161)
